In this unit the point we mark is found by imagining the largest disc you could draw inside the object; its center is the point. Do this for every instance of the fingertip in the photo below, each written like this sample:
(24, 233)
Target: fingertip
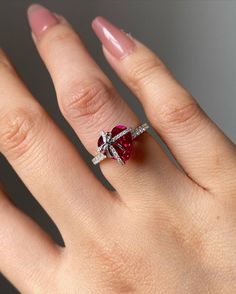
(34, 7)
(40, 19)
(96, 21)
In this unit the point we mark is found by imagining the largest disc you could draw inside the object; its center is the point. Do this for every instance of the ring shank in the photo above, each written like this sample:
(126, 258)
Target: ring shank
(98, 158)
(139, 130)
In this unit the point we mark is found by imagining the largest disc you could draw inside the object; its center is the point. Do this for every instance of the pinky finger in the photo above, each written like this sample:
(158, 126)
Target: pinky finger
(28, 256)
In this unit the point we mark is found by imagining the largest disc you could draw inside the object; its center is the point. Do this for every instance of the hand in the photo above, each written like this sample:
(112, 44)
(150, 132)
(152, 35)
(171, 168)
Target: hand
(166, 229)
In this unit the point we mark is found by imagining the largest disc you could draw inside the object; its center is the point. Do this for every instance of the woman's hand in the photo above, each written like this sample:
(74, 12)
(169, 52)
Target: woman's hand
(166, 229)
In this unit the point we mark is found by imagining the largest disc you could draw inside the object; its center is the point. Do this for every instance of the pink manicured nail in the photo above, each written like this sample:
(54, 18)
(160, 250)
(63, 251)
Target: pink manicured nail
(117, 42)
(40, 19)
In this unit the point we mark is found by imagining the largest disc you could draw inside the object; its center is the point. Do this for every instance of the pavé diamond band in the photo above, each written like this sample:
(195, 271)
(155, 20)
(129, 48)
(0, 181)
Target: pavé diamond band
(118, 143)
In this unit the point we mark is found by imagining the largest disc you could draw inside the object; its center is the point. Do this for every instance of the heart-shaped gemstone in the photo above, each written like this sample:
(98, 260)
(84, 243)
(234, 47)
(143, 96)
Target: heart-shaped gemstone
(122, 145)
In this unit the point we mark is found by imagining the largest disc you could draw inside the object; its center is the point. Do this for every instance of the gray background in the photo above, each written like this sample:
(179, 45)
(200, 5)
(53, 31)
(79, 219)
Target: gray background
(195, 38)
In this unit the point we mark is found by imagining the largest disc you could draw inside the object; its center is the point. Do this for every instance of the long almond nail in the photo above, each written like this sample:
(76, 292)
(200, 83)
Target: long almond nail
(40, 19)
(116, 41)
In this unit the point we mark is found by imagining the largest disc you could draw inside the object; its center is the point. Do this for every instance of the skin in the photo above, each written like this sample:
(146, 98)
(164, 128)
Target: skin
(166, 228)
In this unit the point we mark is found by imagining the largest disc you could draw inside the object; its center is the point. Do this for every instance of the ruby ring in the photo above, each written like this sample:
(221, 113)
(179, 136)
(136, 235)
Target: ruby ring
(117, 144)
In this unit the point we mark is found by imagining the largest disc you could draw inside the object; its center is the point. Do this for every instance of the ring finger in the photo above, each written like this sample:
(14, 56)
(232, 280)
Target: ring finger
(90, 103)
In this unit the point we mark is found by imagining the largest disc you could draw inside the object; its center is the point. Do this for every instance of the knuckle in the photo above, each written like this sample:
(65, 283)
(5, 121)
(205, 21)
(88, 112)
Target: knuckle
(86, 99)
(18, 130)
(173, 116)
(142, 71)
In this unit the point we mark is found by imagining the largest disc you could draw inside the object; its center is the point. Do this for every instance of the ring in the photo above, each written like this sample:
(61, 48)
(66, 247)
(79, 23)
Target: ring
(117, 144)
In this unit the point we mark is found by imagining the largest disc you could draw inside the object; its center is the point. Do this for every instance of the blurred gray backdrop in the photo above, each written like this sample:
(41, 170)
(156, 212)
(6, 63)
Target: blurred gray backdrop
(196, 38)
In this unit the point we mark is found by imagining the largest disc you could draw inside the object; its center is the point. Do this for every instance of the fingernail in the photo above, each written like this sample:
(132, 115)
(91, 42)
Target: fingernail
(40, 19)
(116, 41)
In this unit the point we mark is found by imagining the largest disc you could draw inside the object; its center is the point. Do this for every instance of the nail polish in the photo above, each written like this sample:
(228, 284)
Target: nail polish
(40, 19)
(115, 40)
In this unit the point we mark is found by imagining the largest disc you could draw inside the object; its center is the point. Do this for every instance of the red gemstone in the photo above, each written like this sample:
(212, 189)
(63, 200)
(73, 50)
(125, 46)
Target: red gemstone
(123, 145)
